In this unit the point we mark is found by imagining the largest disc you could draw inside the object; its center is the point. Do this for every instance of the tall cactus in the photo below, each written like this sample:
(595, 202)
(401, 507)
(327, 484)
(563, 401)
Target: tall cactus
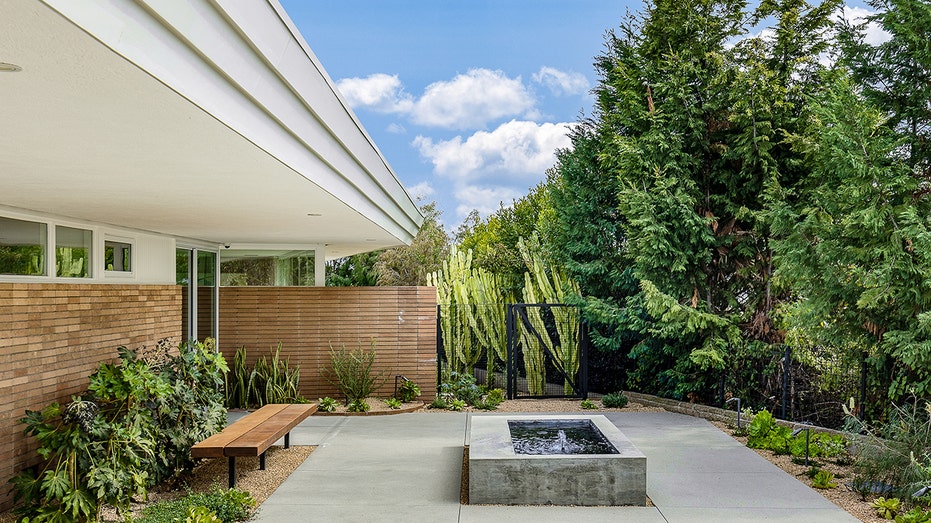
(550, 284)
(474, 321)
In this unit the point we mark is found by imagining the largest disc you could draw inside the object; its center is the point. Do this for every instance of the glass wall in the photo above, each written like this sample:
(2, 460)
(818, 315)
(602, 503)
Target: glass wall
(73, 249)
(22, 247)
(196, 273)
(267, 269)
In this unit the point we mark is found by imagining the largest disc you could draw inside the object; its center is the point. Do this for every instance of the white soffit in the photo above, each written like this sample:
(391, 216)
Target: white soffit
(204, 119)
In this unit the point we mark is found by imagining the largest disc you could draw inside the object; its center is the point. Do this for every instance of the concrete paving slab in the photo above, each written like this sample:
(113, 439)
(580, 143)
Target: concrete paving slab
(785, 515)
(407, 468)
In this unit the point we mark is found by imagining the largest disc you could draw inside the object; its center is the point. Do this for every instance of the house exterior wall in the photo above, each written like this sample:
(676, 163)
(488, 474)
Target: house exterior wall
(53, 336)
(308, 320)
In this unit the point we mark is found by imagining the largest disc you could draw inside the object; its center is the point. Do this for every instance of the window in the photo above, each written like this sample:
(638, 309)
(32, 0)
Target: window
(118, 256)
(22, 247)
(267, 268)
(73, 252)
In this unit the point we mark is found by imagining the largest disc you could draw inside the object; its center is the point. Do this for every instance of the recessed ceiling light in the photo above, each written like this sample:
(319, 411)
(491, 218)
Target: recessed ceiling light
(314, 214)
(370, 239)
(9, 68)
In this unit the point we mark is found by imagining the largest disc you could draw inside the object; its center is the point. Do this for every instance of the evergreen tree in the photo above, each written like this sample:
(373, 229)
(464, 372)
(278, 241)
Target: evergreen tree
(689, 130)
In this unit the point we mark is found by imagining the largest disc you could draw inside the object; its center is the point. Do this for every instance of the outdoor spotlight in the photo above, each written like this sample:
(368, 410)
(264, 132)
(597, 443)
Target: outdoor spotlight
(921, 492)
(738, 409)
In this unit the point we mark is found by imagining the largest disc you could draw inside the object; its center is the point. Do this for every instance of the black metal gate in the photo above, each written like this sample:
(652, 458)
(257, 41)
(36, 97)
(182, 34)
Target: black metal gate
(547, 350)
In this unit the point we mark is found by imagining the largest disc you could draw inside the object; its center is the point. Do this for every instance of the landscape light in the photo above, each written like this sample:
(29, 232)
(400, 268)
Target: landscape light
(798, 431)
(738, 409)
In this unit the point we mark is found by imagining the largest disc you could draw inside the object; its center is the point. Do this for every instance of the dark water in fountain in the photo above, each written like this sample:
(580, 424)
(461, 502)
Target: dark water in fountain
(557, 436)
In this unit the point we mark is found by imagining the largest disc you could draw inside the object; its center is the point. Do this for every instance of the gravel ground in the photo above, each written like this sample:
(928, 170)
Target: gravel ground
(280, 463)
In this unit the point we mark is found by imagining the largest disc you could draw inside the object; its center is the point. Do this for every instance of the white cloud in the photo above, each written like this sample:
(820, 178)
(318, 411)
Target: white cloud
(515, 148)
(484, 199)
(421, 191)
(472, 100)
(380, 92)
(874, 33)
(396, 128)
(562, 83)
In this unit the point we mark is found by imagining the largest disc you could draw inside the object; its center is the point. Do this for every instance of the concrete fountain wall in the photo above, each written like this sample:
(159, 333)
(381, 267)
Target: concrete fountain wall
(498, 475)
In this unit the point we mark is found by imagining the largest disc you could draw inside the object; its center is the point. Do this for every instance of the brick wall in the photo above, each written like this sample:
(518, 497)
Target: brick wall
(52, 337)
(306, 320)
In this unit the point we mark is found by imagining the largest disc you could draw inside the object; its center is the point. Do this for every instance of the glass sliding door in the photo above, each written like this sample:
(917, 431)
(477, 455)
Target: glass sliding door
(196, 271)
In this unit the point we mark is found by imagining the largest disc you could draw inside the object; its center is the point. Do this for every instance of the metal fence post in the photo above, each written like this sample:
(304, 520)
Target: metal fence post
(863, 370)
(509, 333)
(786, 367)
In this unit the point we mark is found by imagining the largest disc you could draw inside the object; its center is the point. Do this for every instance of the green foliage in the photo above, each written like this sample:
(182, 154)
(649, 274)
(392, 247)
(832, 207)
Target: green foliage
(327, 404)
(132, 429)
(439, 402)
(915, 515)
(410, 264)
(616, 400)
(886, 508)
(823, 479)
(270, 380)
(393, 403)
(226, 505)
(462, 387)
(896, 451)
(764, 433)
(491, 400)
(358, 405)
(589, 405)
(457, 405)
(201, 515)
(357, 270)
(408, 391)
(352, 372)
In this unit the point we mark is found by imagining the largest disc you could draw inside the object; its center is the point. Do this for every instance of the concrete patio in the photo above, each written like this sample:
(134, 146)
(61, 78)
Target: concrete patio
(407, 467)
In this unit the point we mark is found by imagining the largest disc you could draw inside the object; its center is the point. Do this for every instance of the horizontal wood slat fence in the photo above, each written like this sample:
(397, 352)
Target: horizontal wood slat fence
(308, 320)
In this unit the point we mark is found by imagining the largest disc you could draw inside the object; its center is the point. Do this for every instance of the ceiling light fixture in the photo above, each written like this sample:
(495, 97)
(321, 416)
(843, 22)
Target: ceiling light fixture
(314, 214)
(9, 68)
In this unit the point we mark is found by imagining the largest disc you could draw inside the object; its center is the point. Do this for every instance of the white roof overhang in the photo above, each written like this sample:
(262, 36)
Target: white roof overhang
(210, 120)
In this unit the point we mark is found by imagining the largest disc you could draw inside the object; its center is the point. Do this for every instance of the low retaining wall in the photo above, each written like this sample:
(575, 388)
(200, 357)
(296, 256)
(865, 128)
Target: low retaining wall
(712, 413)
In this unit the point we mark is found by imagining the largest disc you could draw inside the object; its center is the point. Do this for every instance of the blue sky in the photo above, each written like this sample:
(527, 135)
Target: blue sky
(466, 99)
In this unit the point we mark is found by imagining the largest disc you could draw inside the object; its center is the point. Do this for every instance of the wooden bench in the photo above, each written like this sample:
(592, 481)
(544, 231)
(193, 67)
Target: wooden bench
(252, 434)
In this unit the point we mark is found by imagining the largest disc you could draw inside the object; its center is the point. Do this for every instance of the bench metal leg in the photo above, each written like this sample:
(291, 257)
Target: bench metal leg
(232, 471)
(262, 461)
(287, 440)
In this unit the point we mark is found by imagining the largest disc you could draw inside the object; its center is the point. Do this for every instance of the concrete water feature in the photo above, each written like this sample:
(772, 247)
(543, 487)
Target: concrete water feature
(500, 475)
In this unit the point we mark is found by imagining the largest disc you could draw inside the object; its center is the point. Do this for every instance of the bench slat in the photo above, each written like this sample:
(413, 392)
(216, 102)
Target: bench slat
(257, 440)
(213, 447)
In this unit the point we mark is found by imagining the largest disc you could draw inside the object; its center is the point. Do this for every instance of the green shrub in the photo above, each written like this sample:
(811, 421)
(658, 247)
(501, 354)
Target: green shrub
(327, 404)
(227, 506)
(457, 405)
(886, 508)
(201, 515)
(408, 391)
(358, 405)
(764, 433)
(915, 515)
(616, 400)
(491, 400)
(393, 403)
(896, 452)
(461, 386)
(133, 428)
(823, 479)
(589, 405)
(438, 403)
(352, 372)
